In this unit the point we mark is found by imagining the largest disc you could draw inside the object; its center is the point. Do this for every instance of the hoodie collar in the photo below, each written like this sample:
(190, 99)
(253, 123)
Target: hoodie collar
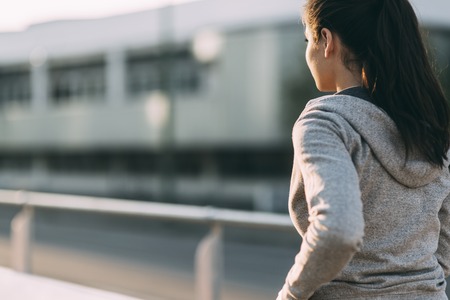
(383, 137)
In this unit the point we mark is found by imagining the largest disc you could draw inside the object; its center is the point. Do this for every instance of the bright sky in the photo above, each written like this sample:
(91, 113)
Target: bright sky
(16, 15)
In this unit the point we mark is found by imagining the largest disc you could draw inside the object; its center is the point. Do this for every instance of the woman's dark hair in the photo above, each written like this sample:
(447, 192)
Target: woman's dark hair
(383, 41)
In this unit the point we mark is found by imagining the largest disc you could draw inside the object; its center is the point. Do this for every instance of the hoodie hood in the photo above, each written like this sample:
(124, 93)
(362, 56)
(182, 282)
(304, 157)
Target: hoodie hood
(383, 137)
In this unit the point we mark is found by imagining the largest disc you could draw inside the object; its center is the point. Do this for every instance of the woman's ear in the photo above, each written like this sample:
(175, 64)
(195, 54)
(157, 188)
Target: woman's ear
(328, 40)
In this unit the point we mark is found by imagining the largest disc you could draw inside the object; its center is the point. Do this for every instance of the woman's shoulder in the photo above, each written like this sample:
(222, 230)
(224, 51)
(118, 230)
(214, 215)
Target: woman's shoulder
(347, 118)
(340, 102)
(322, 117)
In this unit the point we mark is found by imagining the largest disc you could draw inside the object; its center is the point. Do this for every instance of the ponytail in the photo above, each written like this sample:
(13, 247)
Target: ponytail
(402, 83)
(384, 42)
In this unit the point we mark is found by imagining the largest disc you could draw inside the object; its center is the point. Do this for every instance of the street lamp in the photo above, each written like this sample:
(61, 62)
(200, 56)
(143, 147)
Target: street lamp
(207, 45)
(157, 112)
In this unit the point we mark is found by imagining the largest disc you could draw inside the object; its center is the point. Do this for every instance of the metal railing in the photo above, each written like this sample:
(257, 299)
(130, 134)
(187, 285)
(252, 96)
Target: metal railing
(209, 254)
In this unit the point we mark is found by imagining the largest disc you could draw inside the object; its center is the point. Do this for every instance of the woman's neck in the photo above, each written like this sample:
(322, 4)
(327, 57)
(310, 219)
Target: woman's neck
(347, 79)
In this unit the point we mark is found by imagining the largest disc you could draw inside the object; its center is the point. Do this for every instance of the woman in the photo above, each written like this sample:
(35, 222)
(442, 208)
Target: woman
(370, 184)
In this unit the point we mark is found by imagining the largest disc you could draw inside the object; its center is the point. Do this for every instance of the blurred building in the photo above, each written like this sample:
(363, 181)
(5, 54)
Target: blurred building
(191, 103)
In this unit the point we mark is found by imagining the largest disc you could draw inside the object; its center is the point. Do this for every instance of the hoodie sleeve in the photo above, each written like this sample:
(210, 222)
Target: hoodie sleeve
(443, 251)
(336, 224)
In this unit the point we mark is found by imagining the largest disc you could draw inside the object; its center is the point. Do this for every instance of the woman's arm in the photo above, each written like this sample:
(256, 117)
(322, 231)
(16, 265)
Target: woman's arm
(334, 203)
(443, 251)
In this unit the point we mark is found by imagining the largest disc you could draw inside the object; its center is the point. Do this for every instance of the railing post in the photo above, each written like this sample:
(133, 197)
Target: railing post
(21, 238)
(209, 264)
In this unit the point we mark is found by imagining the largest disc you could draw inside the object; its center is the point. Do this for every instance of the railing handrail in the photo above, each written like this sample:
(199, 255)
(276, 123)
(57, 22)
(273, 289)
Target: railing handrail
(164, 211)
(208, 256)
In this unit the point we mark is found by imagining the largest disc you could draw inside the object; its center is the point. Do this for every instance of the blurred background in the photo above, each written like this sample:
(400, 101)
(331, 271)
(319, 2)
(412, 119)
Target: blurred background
(187, 102)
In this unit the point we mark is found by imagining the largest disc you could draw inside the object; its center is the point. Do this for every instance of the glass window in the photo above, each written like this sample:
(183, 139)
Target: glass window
(143, 74)
(79, 163)
(186, 73)
(15, 86)
(151, 71)
(15, 162)
(80, 82)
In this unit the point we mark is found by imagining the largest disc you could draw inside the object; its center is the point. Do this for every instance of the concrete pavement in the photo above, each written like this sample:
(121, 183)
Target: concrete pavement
(18, 286)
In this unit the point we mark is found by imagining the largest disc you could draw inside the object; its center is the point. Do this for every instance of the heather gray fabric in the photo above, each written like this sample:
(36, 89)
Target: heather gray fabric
(375, 225)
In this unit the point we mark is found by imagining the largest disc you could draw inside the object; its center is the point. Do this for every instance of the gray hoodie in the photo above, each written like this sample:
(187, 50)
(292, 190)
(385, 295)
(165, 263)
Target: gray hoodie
(375, 223)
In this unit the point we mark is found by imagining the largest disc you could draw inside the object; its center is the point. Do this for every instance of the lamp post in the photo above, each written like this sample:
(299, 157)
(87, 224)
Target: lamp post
(167, 135)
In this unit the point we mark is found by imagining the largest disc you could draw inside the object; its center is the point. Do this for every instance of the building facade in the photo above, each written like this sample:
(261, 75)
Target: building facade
(127, 107)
